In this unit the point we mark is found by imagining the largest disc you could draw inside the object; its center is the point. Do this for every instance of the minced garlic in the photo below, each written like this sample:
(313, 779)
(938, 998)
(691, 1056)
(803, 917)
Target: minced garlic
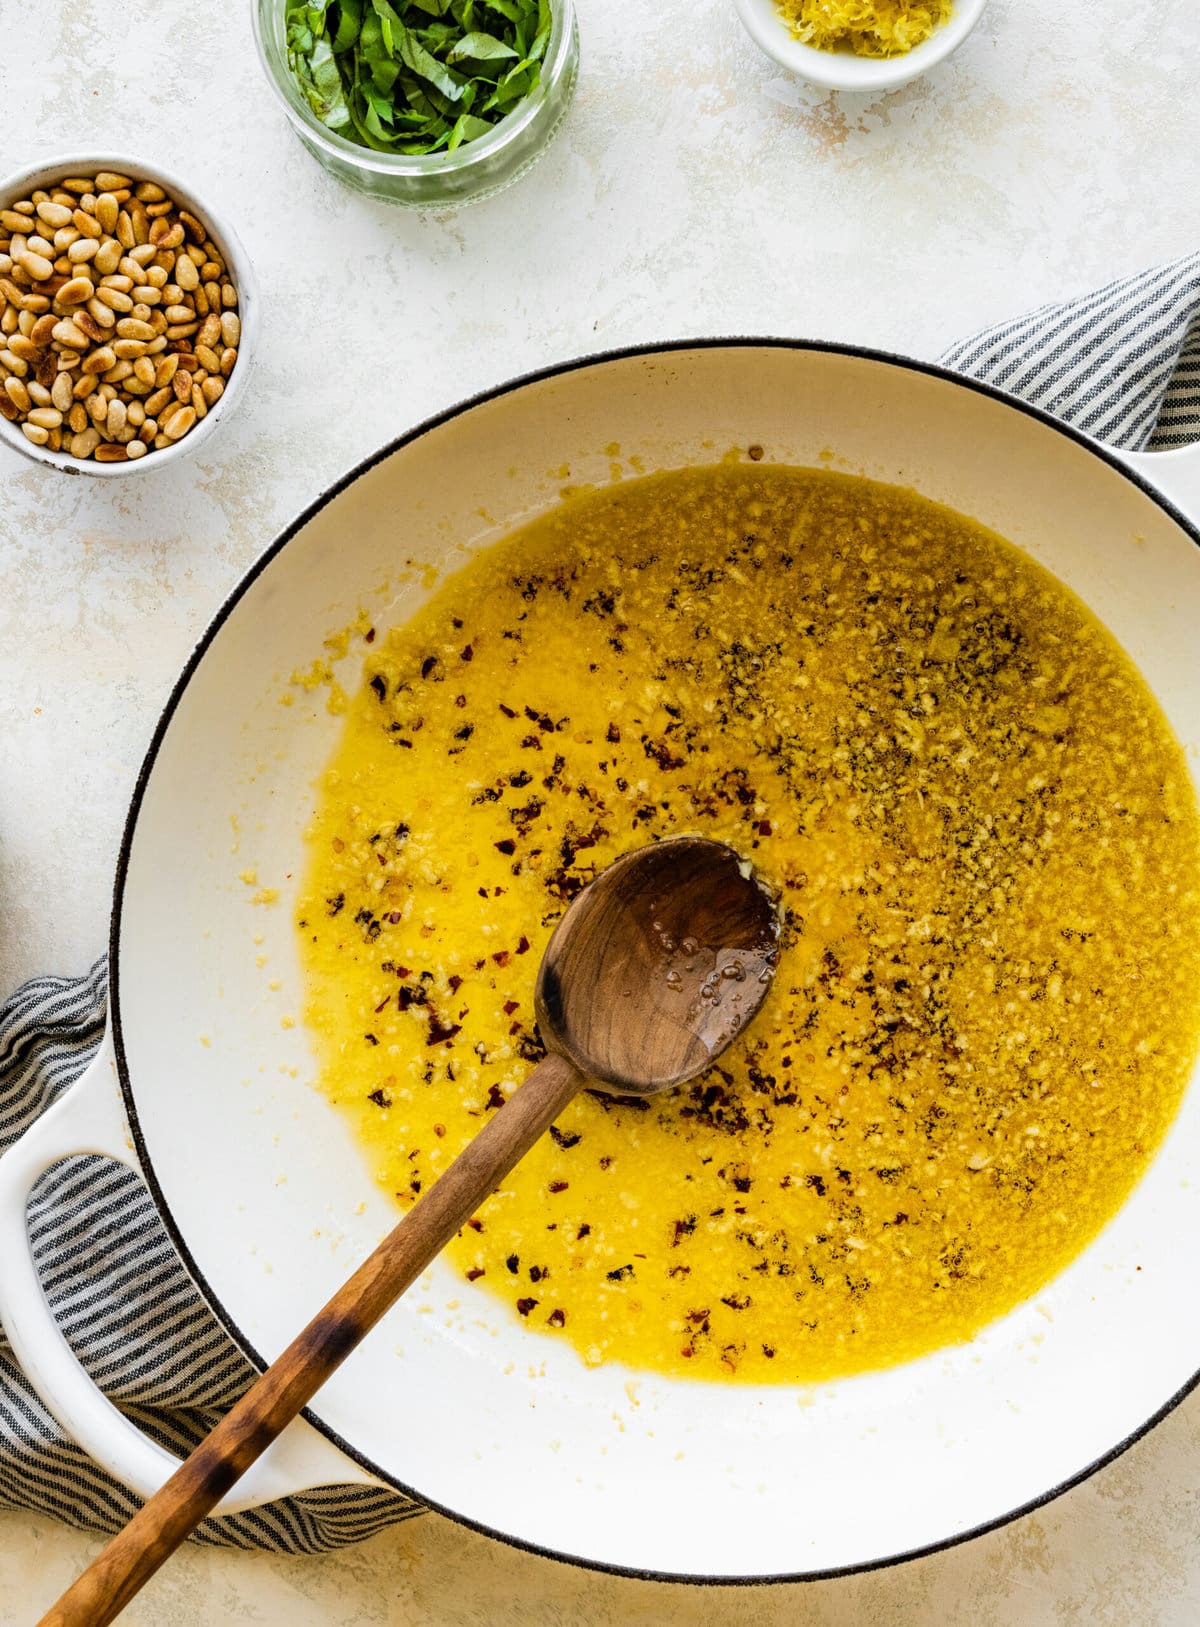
(987, 848)
(869, 27)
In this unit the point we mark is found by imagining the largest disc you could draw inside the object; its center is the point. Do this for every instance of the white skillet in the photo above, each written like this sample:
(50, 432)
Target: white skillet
(270, 1202)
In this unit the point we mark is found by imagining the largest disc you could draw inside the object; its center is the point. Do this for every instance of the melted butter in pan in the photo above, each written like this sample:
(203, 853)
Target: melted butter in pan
(986, 842)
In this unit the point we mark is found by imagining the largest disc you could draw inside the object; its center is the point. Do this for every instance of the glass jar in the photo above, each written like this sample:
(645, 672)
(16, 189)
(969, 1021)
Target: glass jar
(432, 180)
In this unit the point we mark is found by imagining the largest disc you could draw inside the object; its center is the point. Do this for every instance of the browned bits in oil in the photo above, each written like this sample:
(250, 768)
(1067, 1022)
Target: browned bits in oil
(986, 847)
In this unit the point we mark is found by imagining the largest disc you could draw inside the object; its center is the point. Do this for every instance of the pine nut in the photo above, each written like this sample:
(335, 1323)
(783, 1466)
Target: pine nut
(110, 181)
(207, 358)
(82, 250)
(17, 394)
(35, 433)
(38, 394)
(143, 370)
(54, 214)
(108, 453)
(130, 328)
(76, 291)
(86, 322)
(178, 424)
(164, 372)
(68, 333)
(107, 210)
(45, 417)
(182, 386)
(61, 392)
(100, 360)
(108, 256)
(38, 267)
(185, 273)
(101, 313)
(228, 361)
(115, 421)
(136, 449)
(212, 390)
(87, 225)
(114, 299)
(77, 418)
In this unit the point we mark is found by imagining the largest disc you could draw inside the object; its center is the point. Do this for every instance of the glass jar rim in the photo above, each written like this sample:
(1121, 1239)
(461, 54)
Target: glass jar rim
(295, 104)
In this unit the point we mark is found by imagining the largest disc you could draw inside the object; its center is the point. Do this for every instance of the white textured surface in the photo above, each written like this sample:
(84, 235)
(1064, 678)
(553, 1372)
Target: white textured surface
(694, 190)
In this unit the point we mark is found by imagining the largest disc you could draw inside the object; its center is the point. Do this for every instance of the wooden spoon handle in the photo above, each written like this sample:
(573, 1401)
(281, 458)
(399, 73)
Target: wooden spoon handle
(198, 1485)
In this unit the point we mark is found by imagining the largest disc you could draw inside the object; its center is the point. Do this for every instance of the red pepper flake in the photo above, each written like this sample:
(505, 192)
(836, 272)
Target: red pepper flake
(764, 827)
(501, 957)
(475, 1223)
(755, 454)
(496, 1097)
(524, 1306)
(510, 1006)
(614, 734)
(584, 1231)
(513, 1028)
(369, 635)
(382, 1003)
(522, 945)
(558, 1186)
(439, 1129)
(439, 1032)
(687, 1351)
(507, 710)
(469, 653)
(557, 1319)
(455, 982)
(403, 971)
(513, 1263)
(507, 847)
(380, 1097)
(474, 1274)
(428, 665)
(395, 917)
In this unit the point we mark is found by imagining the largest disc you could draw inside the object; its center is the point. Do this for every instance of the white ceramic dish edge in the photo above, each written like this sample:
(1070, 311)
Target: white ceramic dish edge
(43, 174)
(843, 70)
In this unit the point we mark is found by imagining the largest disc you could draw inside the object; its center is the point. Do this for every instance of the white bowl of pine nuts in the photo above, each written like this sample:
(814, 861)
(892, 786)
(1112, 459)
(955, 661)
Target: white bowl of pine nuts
(128, 313)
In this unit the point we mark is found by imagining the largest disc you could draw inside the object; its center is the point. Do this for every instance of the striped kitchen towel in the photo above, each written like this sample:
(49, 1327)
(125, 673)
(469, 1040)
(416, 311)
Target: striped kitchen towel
(129, 1310)
(1122, 364)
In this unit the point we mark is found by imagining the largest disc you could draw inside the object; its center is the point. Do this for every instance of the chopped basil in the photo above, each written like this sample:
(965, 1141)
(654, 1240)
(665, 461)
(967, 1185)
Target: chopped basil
(417, 76)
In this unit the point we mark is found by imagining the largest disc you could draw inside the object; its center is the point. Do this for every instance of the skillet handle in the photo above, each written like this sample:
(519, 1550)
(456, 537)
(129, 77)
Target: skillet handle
(1176, 474)
(89, 1118)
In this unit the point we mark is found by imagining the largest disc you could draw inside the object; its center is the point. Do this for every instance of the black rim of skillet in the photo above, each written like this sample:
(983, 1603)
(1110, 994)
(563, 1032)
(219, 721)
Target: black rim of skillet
(665, 348)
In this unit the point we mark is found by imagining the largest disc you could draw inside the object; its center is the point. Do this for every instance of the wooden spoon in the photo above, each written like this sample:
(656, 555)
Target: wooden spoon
(652, 971)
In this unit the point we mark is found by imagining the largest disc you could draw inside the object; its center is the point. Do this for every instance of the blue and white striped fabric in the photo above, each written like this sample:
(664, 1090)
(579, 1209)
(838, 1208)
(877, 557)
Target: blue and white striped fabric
(1122, 364)
(129, 1310)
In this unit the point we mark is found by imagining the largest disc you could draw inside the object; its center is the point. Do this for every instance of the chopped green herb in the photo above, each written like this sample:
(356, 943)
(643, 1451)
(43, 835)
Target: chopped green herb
(417, 76)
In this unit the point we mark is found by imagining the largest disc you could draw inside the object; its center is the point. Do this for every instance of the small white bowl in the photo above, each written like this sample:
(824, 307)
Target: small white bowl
(844, 70)
(46, 174)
